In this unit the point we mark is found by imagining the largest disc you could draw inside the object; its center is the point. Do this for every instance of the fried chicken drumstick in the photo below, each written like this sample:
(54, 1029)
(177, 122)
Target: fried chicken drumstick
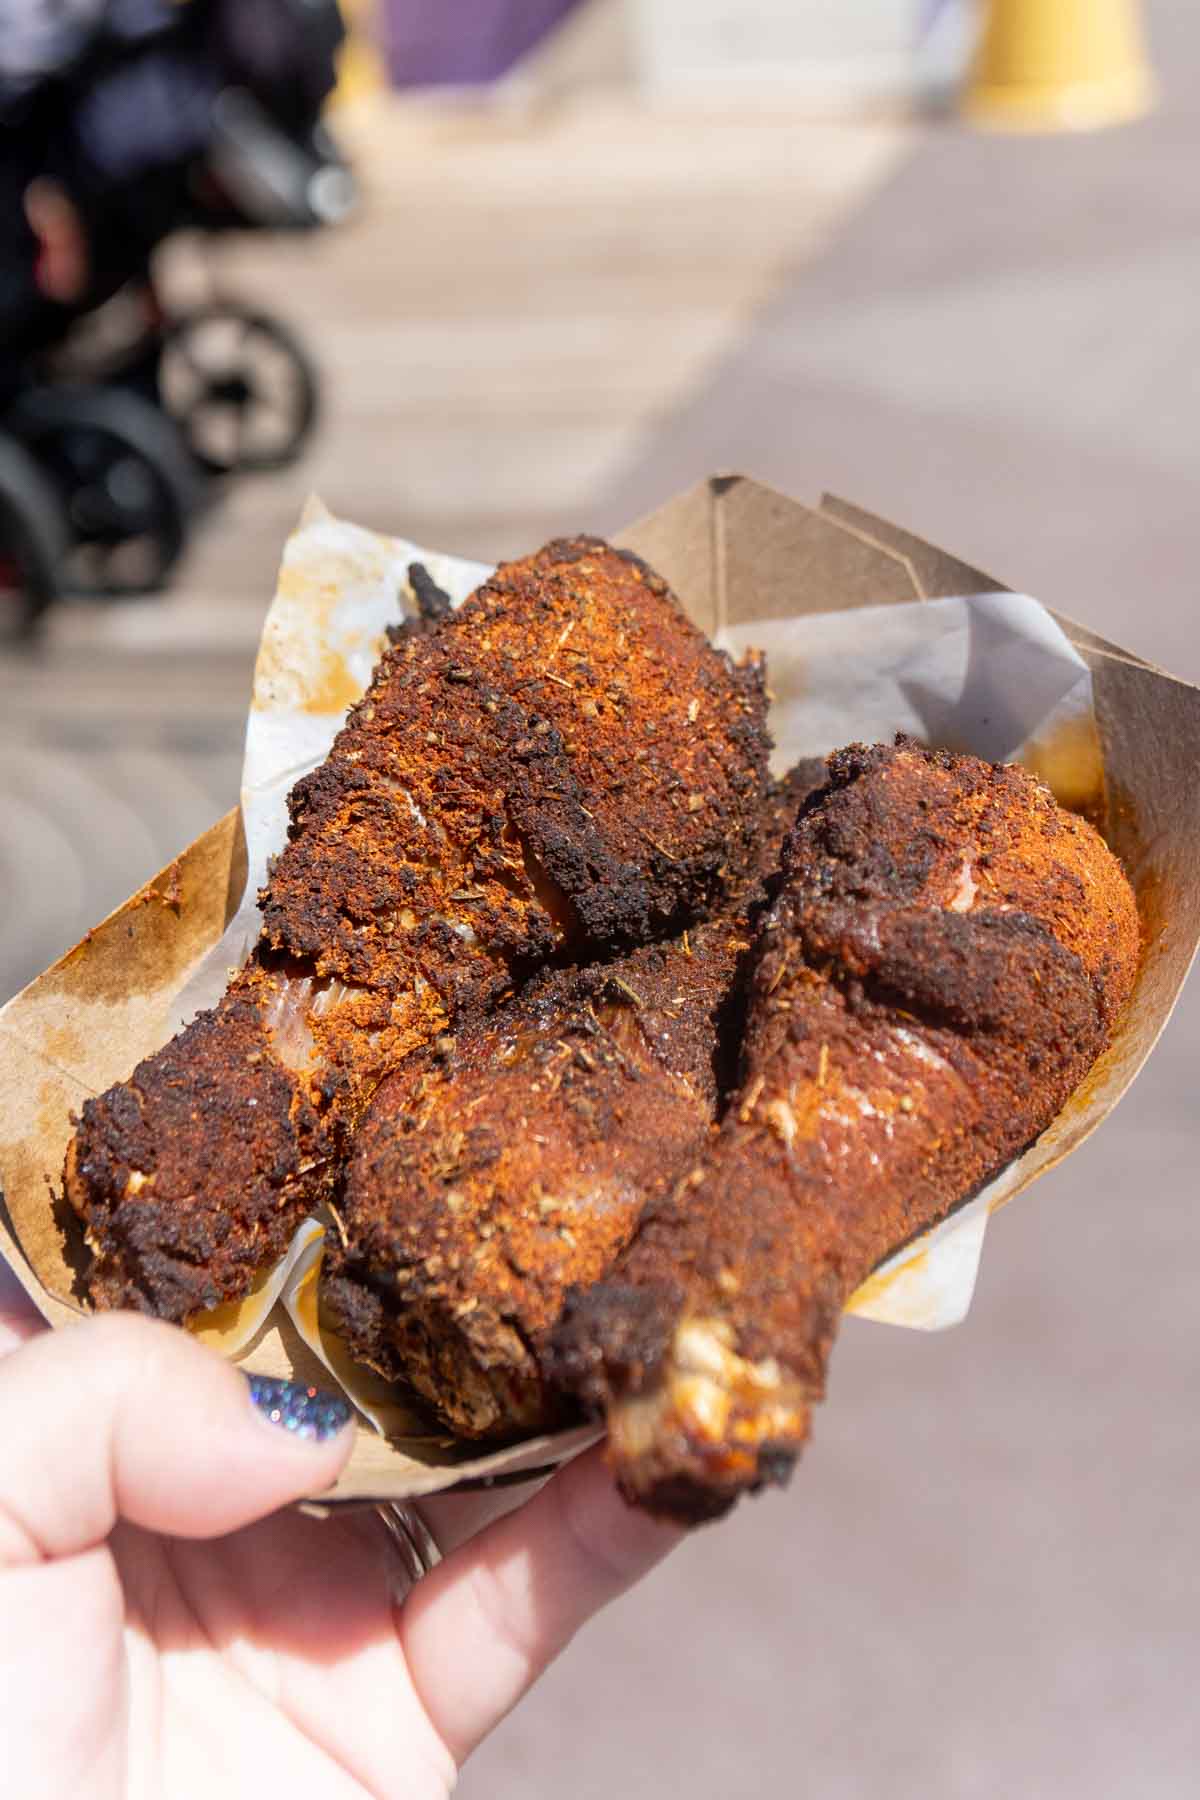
(483, 1186)
(494, 1173)
(944, 963)
(564, 764)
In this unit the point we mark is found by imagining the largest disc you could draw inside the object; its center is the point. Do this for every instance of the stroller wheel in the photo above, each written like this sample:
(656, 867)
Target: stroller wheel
(125, 481)
(33, 540)
(241, 388)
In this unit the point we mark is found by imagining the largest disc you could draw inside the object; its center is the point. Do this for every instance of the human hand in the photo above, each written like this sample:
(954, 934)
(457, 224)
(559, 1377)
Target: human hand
(169, 1633)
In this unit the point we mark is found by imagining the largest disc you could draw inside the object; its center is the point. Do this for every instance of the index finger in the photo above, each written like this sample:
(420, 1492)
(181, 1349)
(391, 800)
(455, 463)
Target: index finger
(481, 1627)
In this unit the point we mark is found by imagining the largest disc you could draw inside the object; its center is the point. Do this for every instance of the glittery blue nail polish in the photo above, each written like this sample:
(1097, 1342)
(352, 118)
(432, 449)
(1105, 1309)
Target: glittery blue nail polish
(307, 1412)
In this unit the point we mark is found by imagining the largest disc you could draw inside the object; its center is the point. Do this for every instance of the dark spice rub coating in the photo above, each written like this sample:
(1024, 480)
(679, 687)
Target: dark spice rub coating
(944, 963)
(485, 807)
(587, 768)
(212, 1106)
(485, 1183)
(515, 1161)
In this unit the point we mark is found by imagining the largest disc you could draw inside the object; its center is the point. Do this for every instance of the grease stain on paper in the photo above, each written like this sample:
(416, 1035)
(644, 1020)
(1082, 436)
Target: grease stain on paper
(231, 1327)
(1069, 759)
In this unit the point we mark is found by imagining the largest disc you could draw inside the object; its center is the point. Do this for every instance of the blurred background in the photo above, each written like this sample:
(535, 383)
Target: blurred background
(485, 272)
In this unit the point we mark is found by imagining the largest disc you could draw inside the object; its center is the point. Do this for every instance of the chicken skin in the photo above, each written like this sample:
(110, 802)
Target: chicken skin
(515, 1161)
(563, 766)
(946, 959)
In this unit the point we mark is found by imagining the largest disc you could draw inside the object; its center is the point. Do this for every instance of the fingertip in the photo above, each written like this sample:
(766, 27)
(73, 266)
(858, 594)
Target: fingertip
(230, 1445)
(622, 1540)
(151, 1426)
(483, 1625)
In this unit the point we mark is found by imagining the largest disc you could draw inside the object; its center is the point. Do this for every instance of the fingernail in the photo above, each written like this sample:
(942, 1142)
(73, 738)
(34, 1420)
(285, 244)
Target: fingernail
(307, 1412)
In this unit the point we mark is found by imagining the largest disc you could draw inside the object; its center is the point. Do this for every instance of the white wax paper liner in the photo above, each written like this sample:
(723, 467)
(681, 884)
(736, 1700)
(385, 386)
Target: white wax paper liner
(231, 1328)
(339, 589)
(375, 1398)
(991, 673)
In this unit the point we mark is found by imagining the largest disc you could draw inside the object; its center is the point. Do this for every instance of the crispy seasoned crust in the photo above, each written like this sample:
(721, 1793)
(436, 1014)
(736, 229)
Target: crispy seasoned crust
(484, 808)
(484, 1185)
(566, 761)
(213, 1108)
(944, 963)
(515, 1162)
(899, 822)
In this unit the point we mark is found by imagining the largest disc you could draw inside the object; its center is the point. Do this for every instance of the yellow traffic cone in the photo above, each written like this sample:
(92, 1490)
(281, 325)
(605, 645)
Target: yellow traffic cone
(361, 69)
(1059, 65)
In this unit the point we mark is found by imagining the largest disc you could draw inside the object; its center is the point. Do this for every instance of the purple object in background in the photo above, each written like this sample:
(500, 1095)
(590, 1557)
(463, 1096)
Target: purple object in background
(430, 44)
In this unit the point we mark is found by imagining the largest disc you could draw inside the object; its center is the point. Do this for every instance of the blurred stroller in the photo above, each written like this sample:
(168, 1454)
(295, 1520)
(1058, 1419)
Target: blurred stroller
(121, 122)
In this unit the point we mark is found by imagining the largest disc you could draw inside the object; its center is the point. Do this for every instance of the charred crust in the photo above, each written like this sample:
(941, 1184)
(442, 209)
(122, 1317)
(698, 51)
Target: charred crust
(212, 1111)
(433, 602)
(560, 552)
(997, 972)
(680, 1498)
(562, 767)
(940, 967)
(611, 1339)
(776, 1464)
(688, 1492)
(633, 820)
(503, 1170)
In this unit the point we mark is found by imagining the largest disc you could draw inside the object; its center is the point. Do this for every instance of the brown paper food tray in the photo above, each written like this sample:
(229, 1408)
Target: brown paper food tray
(734, 551)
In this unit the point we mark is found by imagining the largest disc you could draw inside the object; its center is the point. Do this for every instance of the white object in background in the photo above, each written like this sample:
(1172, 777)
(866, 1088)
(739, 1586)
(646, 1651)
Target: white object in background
(947, 36)
(833, 52)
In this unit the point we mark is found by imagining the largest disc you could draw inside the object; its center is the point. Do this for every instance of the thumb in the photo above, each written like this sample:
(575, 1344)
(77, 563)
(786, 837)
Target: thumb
(122, 1417)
